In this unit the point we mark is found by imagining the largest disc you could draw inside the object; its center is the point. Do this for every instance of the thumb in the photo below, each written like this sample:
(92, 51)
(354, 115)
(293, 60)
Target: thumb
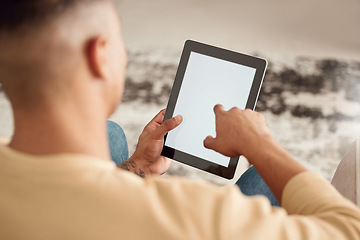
(210, 142)
(167, 126)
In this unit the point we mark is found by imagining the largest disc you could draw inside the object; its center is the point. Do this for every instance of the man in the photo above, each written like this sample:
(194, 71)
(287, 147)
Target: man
(62, 66)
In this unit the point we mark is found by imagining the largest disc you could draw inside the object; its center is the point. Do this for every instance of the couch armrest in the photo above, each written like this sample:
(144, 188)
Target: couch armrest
(347, 176)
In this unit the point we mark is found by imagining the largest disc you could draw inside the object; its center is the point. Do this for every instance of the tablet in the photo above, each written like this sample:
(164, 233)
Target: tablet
(207, 76)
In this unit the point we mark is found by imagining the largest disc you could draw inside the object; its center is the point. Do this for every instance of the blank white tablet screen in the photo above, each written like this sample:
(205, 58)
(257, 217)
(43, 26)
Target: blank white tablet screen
(207, 81)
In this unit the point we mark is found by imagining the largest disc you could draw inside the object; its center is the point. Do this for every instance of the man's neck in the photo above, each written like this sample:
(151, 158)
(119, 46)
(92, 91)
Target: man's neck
(59, 131)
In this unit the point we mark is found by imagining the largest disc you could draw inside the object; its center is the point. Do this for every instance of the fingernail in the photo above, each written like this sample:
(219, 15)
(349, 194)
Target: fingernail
(178, 118)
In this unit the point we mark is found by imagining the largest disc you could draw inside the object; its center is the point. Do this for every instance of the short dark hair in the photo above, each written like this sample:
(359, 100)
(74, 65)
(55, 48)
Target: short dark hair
(15, 14)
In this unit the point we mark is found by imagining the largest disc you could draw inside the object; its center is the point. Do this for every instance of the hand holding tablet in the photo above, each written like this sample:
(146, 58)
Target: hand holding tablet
(208, 76)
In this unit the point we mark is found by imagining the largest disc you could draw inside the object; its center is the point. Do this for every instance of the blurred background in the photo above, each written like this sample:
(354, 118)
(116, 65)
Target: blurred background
(324, 28)
(310, 96)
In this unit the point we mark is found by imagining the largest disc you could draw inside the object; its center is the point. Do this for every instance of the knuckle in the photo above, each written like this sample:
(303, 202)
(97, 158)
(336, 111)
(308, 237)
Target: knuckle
(248, 112)
(234, 109)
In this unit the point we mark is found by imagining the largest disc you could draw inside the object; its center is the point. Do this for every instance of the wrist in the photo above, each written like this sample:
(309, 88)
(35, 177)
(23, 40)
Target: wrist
(135, 164)
(141, 162)
(151, 165)
(274, 165)
(261, 149)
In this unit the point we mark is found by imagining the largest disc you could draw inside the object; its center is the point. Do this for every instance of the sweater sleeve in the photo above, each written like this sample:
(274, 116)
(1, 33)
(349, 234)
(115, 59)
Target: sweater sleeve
(311, 209)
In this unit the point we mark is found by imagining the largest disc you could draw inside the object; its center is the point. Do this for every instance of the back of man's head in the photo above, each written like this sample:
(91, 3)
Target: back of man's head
(43, 45)
(16, 14)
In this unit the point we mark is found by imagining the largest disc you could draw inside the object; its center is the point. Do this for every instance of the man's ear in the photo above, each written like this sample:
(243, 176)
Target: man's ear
(97, 57)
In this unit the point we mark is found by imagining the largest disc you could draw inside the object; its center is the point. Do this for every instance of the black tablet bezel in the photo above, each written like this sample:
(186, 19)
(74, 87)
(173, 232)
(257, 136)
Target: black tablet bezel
(192, 46)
